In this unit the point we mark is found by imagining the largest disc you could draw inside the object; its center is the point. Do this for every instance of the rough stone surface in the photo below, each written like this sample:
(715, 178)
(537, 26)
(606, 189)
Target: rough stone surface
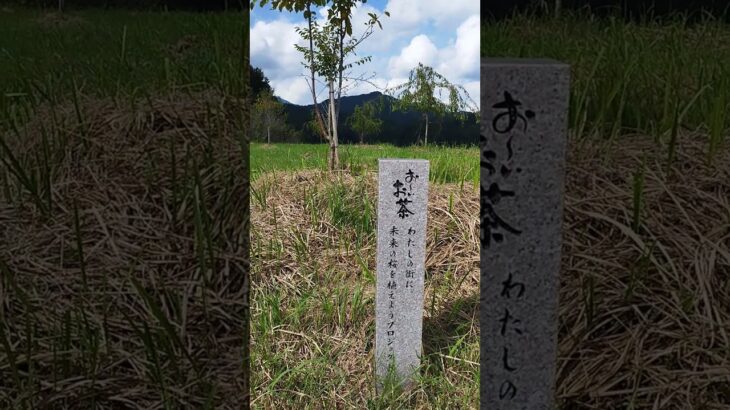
(522, 173)
(400, 266)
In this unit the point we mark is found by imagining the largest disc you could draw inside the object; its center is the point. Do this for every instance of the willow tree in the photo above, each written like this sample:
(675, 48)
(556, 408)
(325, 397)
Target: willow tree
(425, 92)
(325, 56)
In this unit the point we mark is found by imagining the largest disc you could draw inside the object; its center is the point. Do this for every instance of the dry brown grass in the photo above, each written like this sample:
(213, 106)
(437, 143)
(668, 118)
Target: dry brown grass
(75, 333)
(451, 241)
(76, 330)
(297, 207)
(664, 343)
(56, 20)
(644, 315)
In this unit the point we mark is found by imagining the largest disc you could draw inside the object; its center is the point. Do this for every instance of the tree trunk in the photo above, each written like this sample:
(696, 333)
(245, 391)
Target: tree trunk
(60, 6)
(340, 69)
(362, 138)
(317, 113)
(329, 119)
(268, 134)
(558, 6)
(333, 137)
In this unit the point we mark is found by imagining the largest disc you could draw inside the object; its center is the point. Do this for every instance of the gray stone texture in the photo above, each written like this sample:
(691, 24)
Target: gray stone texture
(522, 174)
(399, 311)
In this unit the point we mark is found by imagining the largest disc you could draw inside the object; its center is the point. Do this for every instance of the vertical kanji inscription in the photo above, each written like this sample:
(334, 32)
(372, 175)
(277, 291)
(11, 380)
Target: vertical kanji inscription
(402, 211)
(522, 141)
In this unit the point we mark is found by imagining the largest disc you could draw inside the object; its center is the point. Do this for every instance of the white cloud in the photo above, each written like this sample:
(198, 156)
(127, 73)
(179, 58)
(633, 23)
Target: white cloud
(445, 37)
(272, 48)
(413, 13)
(461, 59)
(458, 61)
(293, 89)
(382, 37)
(419, 50)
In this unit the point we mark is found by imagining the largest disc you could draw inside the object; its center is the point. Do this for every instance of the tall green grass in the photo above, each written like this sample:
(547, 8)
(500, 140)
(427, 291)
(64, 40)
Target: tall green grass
(51, 62)
(630, 78)
(115, 54)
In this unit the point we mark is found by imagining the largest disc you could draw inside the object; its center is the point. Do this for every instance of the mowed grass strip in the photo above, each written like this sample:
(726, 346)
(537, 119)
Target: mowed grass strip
(456, 165)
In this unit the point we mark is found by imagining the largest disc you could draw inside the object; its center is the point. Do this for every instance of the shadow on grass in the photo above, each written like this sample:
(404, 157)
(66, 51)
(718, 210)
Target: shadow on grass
(445, 332)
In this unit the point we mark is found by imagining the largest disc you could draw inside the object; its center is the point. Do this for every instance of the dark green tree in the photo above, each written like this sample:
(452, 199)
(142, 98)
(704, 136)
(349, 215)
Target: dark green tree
(364, 121)
(259, 82)
(268, 113)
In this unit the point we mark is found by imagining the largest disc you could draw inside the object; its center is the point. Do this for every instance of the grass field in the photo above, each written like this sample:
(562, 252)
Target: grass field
(312, 318)
(458, 165)
(645, 283)
(313, 271)
(123, 210)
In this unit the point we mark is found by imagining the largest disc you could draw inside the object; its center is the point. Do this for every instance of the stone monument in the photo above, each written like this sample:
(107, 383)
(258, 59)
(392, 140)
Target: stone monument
(401, 254)
(524, 107)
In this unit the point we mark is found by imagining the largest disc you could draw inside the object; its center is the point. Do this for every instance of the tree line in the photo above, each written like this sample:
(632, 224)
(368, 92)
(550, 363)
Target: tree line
(365, 119)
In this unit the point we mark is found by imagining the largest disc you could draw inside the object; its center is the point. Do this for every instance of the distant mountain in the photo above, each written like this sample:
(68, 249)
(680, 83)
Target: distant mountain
(399, 128)
(283, 101)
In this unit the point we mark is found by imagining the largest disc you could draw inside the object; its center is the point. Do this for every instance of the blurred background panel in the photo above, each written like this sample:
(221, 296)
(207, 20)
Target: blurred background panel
(123, 205)
(635, 9)
(189, 5)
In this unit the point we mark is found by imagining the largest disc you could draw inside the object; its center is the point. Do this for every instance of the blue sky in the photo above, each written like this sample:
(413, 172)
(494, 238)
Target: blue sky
(443, 35)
